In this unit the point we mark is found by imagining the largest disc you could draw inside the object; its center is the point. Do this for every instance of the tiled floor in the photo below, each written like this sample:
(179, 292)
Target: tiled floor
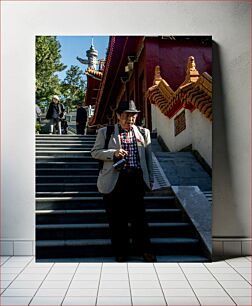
(24, 282)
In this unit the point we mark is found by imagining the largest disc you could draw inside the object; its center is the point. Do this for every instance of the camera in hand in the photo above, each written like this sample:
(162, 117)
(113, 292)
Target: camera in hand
(119, 164)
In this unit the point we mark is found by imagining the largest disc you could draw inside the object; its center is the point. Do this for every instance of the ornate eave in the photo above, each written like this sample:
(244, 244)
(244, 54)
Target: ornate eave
(117, 57)
(93, 120)
(94, 78)
(95, 74)
(194, 93)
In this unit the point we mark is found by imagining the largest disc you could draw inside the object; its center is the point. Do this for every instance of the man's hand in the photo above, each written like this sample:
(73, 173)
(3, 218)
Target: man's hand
(120, 153)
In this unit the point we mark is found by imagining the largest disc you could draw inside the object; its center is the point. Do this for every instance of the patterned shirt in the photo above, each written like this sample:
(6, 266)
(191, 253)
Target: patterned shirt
(129, 144)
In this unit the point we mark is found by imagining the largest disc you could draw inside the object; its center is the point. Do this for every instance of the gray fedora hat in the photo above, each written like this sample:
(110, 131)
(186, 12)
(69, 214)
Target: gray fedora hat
(127, 107)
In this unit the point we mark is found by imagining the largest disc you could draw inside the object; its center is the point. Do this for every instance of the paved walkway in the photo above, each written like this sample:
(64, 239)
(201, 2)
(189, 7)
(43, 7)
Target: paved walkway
(24, 282)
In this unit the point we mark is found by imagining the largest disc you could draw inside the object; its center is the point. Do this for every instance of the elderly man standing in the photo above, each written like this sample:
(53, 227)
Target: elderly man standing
(125, 176)
(55, 112)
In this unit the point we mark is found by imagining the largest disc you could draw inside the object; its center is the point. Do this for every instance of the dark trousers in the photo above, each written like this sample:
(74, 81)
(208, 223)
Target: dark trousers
(80, 128)
(126, 214)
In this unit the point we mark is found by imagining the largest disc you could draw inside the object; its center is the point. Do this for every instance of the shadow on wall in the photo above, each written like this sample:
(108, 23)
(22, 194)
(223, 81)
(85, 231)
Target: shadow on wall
(224, 198)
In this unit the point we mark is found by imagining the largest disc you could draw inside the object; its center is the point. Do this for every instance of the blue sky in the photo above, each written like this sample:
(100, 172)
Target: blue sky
(73, 46)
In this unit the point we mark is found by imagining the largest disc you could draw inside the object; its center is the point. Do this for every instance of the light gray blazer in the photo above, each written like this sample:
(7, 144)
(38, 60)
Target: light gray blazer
(108, 176)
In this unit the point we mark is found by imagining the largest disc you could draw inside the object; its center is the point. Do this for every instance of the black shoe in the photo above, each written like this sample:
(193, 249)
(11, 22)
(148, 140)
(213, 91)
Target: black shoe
(148, 257)
(121, 258)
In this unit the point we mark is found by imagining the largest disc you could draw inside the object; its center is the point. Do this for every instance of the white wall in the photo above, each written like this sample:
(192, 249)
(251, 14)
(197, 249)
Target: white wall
(198, 132)
(227, 22)
(202, 135)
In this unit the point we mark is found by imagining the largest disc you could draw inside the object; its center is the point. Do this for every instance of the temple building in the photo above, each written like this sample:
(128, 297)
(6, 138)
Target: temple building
(169, 78)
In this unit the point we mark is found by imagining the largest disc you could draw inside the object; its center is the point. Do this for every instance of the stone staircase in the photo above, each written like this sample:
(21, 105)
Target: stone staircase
(71, 221)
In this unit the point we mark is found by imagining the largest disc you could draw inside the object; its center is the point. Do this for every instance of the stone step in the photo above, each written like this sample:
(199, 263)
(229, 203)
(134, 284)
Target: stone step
(102, 247)
(99, 216)
(52, 194)
(67, 171)
(62, 194)
(132, 259)
(182, 154)
(208, 195)
(65, 136)
(62, 165)
(181, 258)
(62, 153)
(87, 202)
(53, 187)
(67, 158)
(66, 179)
(183, 169)
(101, 231)
(49, 148)
(54, 144)
(63, 141)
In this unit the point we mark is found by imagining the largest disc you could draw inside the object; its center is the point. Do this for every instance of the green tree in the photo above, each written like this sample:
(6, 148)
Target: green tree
(73, 86)
(48, 63)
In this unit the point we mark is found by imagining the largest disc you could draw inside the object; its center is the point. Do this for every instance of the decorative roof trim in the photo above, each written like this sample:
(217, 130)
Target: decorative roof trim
(194, 93)
(94, 73)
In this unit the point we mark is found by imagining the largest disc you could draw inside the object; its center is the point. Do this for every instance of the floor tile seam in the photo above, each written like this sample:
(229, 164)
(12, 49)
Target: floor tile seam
(73, 274)
(114, 272)
(218, 299)
(227, 270)
(6, 297)
(189, 283)
(236, 281)
(25, 265)
(194, 270)
(237, 259)
(227, 265)
(18, 296)
(98, 287)
(239, 295)
(128, 272)
(238, 264)
(244, 297)
(41, 283)
(16, 275)
(217, 282)
(160, 285)
(237, 272)
(226, 294)
(115, 289)
(36, 271)
(221, 285)
(7, 259)
(42, 297)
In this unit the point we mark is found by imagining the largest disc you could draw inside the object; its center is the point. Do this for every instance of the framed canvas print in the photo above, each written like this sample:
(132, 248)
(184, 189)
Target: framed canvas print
(124, 148)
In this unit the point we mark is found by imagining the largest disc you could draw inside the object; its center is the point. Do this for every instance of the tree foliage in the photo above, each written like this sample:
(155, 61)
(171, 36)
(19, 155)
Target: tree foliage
(73, 86)
(48, 63)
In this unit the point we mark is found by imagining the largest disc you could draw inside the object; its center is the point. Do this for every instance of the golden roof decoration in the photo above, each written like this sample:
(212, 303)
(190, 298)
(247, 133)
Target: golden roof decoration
(94, 73)
(192, 73)
(194, 92)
